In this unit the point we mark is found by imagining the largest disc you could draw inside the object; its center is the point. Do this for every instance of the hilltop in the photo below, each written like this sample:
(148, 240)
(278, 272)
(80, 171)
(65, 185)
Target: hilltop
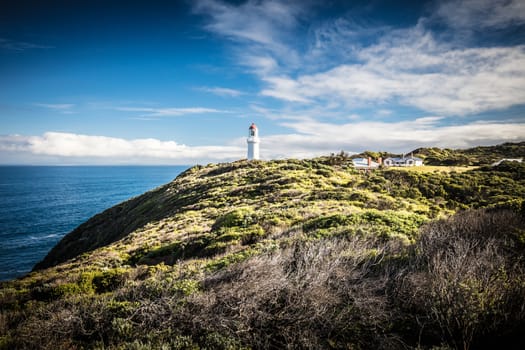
(299, 253)
(476, 156)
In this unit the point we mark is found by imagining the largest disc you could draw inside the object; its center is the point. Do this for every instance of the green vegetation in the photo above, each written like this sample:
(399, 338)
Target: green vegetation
(472, 156)
(290, 253)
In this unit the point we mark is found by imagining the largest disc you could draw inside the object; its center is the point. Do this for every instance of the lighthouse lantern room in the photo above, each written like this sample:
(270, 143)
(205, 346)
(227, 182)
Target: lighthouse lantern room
(253, 142)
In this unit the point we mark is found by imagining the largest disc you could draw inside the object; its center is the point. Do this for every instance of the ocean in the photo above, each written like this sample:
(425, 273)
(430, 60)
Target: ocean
(41, 204)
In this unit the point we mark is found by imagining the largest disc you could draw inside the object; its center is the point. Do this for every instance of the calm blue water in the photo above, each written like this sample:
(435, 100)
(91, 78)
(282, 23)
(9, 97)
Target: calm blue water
(40, 204)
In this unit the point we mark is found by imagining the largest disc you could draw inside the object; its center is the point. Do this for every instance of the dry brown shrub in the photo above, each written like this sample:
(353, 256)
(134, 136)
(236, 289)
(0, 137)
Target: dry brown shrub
(319, 294)
(467, 282)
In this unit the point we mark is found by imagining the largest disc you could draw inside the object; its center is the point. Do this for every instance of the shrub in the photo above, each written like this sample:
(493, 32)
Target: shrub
(311, 295)
(241, 217)
(468, 278)
(48, 292)
(109, 280)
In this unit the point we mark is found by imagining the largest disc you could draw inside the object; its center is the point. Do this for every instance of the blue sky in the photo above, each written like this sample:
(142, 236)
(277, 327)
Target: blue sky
(179, 82)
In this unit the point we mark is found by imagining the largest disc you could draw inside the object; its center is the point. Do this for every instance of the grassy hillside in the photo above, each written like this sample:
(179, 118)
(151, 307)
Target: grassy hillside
(292, 253)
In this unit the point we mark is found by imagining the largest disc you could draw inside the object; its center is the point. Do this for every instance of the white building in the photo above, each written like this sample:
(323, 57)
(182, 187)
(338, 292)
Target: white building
(364, 163)
(253, 142)
(403, 161)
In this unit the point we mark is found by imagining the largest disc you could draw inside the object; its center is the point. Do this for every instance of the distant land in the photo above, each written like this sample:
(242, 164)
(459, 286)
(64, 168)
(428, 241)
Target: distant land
(292, 254)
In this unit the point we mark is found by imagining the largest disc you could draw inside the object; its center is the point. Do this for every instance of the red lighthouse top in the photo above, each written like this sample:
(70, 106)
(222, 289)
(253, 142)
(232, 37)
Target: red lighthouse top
(252, 131)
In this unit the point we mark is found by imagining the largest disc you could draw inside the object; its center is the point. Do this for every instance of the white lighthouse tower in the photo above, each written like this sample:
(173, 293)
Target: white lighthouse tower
(253, 142)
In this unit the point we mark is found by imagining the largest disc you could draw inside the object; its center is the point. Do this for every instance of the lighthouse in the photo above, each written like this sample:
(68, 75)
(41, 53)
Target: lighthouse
(253, 142)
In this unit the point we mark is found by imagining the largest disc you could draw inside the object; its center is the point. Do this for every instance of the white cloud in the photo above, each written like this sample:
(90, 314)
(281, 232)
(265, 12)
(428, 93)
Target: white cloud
(75, 148)
(221, 91)
(265, 29)
(168, 112)
(13, 45)
(14, 143)
(260, 63)
(65, 108)
(287, 89)
(253, 21)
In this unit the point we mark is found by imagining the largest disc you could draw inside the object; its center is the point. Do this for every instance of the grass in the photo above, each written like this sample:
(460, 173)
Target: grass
(436, 168)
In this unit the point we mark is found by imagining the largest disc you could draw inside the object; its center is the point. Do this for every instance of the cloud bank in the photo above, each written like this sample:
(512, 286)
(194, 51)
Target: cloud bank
(402, 136)
(309, 140)
(89, 149)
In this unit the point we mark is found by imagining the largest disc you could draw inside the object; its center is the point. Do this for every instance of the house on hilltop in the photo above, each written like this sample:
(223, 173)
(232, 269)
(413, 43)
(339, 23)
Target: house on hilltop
(403, 161)
(365, 163)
